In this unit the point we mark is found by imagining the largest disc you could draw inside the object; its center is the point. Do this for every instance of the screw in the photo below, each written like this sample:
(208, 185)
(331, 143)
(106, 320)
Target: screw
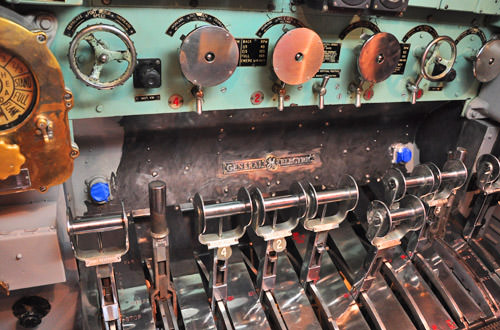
(226, 190)
(43, 188)
(154, 174)
(41, 37)
(19, 256)
(99, 108)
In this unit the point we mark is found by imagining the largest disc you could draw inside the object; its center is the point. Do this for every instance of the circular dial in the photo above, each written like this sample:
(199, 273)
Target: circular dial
(379, 57)
(208, 56)
(392, 4)
(298, 55)
(17, 90)
(487, 64)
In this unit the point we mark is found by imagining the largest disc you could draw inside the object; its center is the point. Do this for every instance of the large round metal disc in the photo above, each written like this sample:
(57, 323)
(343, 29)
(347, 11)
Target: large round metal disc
(298, 55)
(487, 63)
(208, 56)
(379, 57)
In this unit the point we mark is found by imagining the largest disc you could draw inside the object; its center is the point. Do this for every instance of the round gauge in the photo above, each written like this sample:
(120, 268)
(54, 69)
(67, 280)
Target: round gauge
(379, 57)
(208, 56)
(17, 90)
(297, 56)
(392, 4)
(487, 64)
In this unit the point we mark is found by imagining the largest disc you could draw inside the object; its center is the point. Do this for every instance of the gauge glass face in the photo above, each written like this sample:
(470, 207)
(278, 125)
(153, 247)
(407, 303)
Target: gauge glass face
(17, 90)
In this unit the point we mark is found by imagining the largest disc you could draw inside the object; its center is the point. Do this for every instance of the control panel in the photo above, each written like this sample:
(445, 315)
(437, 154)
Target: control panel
(200, 59)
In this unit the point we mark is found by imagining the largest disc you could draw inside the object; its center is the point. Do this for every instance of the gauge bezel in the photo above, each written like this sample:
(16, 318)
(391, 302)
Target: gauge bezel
(27, 113)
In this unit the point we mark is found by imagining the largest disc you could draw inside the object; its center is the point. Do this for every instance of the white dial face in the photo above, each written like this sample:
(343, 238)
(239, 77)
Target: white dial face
(17, 90)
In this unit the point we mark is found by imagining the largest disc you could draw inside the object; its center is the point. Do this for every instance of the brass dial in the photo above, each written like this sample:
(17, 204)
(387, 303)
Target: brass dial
(17, 91)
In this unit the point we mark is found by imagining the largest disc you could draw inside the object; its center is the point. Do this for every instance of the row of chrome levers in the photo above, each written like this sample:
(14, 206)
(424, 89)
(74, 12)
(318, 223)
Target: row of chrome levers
(290, 261)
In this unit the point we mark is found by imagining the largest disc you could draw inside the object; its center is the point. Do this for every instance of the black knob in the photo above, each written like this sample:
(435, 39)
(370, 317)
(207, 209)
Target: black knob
(150, 78)
(31, 310)
(147, 73)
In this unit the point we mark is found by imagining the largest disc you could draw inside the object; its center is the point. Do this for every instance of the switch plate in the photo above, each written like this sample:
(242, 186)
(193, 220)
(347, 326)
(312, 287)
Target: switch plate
(146, 63)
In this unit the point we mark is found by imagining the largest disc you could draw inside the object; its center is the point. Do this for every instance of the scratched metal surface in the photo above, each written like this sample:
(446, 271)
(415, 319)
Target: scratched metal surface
(187, 151)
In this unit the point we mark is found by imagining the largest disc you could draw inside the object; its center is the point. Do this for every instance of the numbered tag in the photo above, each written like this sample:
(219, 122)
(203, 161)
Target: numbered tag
(224, 253)
(279, 245)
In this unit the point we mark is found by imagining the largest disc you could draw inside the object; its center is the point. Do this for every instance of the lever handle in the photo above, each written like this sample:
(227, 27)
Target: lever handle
(321, 90)
(281, 91)
(198, 94)
(358, 97)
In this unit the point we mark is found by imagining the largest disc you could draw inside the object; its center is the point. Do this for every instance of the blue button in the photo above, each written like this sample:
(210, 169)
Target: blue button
(403, 155)
(100, 192)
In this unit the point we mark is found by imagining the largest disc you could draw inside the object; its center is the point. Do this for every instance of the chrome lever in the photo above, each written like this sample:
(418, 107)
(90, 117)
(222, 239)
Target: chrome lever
(197, 92)
(281, 91)
(320, 89)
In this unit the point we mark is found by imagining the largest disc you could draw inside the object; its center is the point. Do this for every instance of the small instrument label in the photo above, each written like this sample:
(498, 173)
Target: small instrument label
(435, 88)
(144, 98)
(270, 163)
(405, 51)
(333, 73)
(278, 20)
(253, 52)
(332, 52)
(421, 28)
(202, 17)
(94, 14)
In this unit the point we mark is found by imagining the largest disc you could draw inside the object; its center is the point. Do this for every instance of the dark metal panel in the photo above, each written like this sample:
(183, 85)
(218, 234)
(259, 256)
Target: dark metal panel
(187, 151)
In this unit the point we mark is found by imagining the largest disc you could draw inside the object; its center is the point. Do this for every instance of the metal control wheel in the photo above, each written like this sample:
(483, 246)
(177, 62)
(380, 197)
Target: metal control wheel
(379, 57)
(427, 63)
(102, 56)
(487, 62)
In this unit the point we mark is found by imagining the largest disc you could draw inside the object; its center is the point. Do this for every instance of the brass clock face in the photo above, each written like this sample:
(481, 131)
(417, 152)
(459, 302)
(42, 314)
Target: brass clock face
(17, 90)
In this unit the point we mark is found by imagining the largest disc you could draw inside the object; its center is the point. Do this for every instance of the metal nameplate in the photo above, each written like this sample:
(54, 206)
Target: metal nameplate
(333, 73)
(270, 163)
(253, 52)
(94, 14)
(18, 182)
(176, 25)
(278, 20)
(471, 31)
(332, 52)
(405, 51)
(144, 98)
(359, 25)
(421, 28)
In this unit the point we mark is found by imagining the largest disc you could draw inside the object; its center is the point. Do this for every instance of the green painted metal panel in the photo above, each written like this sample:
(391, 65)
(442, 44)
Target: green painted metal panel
(461, 5)
(425, 3)
(152, 42)
(491, 7)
